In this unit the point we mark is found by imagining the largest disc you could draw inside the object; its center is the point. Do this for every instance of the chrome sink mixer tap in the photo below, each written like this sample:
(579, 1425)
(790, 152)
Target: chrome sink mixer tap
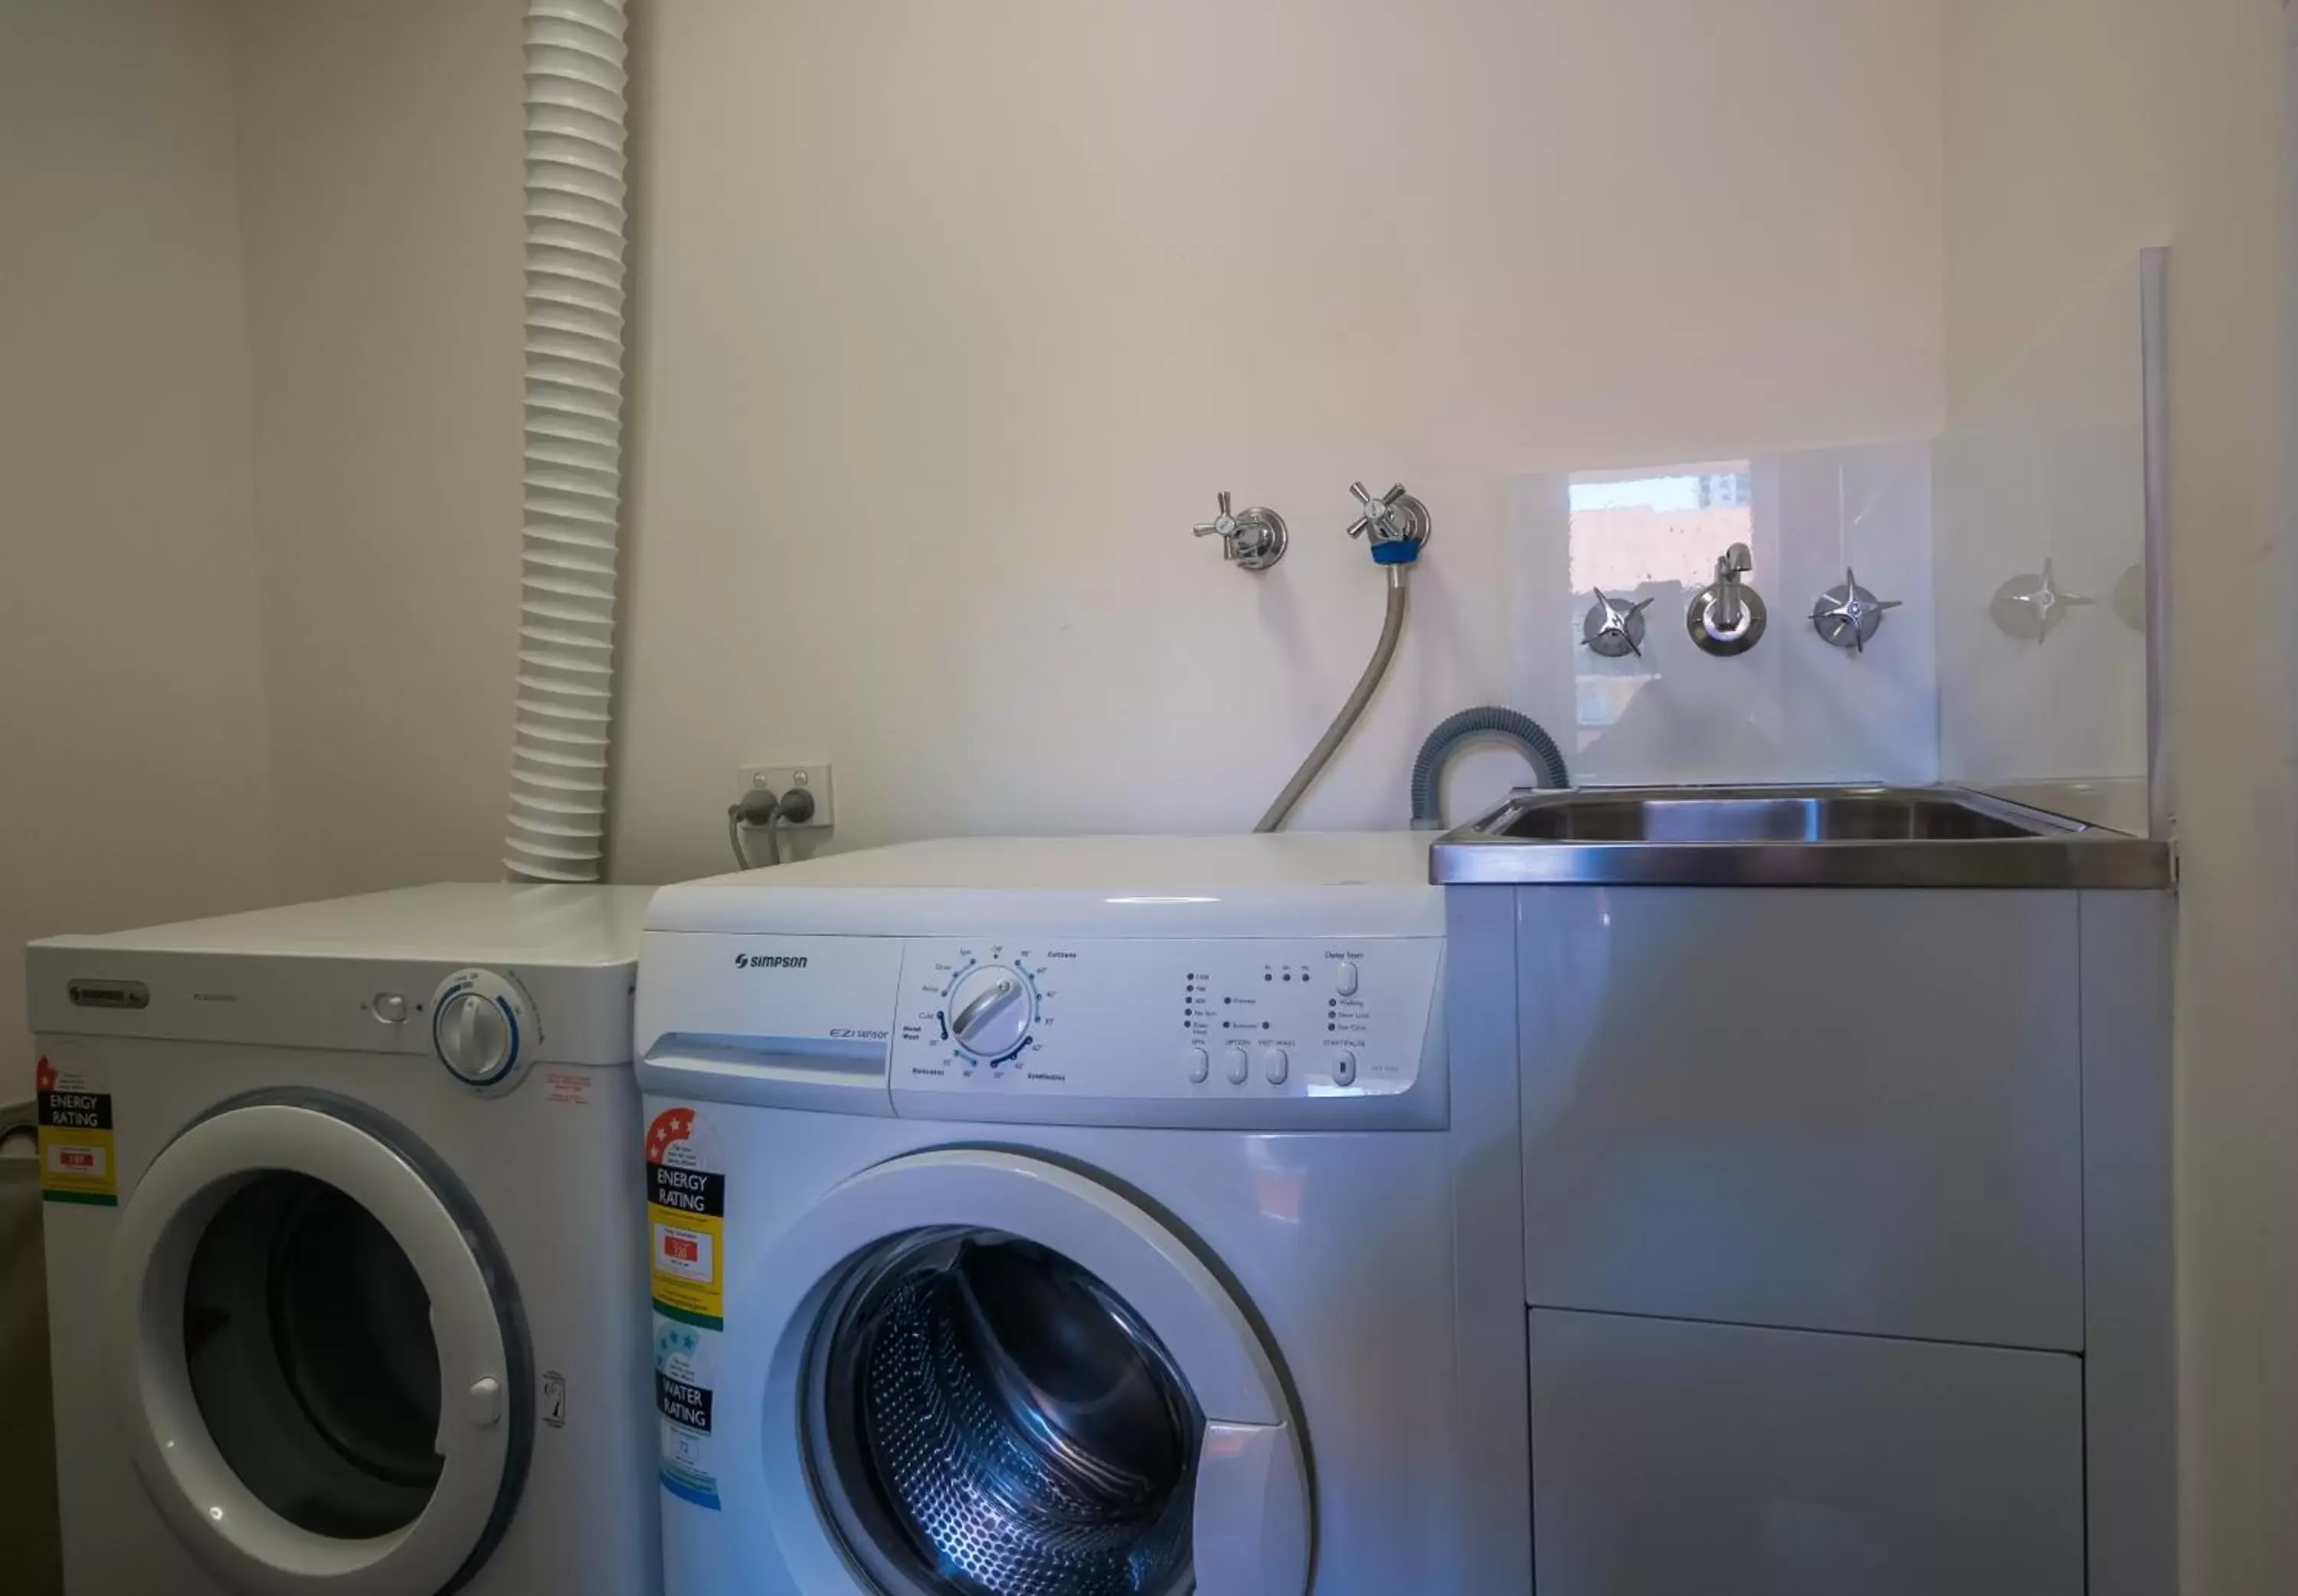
(1728, 617)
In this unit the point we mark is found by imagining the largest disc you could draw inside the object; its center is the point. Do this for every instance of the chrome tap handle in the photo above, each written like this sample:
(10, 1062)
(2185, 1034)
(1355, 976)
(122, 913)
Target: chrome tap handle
(1731, 608)
(1378, 517)
(1254, 540)
(1225, 527)
(1727, 617)
(1849, 615)
(1613, 630)
(1395, 517)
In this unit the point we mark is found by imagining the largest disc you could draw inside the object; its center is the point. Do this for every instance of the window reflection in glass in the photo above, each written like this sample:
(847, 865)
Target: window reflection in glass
(1648, 533)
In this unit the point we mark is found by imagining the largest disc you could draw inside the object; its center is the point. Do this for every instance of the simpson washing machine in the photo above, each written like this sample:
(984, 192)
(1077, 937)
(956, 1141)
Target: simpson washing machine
(345, 1249)
(1095, 1217)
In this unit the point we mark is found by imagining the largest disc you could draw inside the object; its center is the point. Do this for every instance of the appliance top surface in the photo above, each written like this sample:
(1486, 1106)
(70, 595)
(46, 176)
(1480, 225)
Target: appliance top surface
(489, 923)
(1122, 885)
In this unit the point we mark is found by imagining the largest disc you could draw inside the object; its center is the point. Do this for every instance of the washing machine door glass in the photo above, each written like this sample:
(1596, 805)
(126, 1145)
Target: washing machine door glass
(317, 1353)
(1003, 1378)
(998, 1421)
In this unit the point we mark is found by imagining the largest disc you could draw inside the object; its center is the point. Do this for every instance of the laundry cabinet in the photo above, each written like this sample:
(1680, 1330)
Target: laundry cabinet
(1845, 1222)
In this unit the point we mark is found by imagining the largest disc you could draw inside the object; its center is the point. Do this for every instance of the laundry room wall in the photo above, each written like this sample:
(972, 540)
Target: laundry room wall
(2080, 131)
(949, 321)
(380, 168)
(135, 785)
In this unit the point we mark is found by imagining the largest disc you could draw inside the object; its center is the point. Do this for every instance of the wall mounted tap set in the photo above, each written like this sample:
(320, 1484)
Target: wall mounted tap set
(1727, 618)
(1396, 527)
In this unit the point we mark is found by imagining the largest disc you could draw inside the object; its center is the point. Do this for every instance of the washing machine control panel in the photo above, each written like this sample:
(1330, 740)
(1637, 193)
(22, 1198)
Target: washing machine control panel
(1162, 1019)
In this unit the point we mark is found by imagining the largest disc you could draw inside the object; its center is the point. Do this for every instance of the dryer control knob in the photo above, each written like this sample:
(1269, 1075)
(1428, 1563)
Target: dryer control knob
(484, 1030)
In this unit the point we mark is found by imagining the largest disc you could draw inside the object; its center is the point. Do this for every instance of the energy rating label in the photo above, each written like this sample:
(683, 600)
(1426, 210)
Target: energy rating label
(686, 1221)
(78, 1162)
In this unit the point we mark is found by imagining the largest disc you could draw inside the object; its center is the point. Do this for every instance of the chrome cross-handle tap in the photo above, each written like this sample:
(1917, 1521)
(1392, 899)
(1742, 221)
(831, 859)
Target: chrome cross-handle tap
(1396, 517)
(1254, 540)
(1849, 615)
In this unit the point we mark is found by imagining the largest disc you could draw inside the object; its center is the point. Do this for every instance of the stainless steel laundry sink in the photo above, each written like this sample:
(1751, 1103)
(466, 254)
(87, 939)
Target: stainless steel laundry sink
(1790, 837)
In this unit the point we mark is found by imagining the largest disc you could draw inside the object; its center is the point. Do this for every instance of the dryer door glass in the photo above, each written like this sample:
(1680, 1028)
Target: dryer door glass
(318, 1351)
(990, 1418)
(307, 1339)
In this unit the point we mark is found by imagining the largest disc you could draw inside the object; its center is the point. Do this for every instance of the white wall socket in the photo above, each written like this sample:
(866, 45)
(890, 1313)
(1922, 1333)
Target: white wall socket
(813, 777)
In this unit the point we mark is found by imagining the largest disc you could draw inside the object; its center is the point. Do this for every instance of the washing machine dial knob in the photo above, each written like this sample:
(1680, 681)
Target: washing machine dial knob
(483, 1029)
(989, 1011)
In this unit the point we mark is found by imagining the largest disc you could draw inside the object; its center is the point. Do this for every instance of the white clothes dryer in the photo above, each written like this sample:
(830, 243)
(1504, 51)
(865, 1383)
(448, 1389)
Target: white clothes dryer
(1105, 1217)
(345, 1249)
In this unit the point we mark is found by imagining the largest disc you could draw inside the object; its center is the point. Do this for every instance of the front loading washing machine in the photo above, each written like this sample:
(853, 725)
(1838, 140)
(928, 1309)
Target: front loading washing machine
(1078, 1216)
(345, 1249)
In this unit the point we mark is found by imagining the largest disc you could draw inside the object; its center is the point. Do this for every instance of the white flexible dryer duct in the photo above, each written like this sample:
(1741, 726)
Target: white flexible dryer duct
(576, 123)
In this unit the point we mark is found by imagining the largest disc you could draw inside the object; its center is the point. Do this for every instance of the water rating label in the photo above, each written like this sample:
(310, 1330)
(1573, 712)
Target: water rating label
(683, 1357)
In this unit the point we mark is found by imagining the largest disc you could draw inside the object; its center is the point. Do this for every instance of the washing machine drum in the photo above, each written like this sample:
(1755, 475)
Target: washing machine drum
(317, 1352)
(1005, 1424)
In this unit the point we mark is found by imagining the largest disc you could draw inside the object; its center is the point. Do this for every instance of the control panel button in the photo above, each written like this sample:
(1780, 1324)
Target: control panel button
(1239, 1066)
(1276, 1063)
(1345, 1069)
(1201, 1064)
(389, 1008)
(1344, 981)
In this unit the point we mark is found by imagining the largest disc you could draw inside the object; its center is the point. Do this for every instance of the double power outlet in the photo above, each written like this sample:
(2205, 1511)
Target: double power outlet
(813, 777)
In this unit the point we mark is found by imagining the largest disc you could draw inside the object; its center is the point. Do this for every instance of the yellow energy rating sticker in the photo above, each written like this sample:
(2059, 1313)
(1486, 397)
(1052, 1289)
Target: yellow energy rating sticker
(686, 1224)
(78, 1161)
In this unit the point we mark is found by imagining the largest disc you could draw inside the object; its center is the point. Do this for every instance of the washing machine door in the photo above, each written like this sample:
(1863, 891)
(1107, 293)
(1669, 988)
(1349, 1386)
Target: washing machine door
(317, 1352)
(993, 1376)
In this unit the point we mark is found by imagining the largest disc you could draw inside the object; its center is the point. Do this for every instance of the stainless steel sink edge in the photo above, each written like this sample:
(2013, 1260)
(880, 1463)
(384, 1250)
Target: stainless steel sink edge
(2033, 848)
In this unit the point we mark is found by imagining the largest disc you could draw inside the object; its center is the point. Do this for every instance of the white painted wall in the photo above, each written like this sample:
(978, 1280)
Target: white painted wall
(380, 171)
(2080, 131)
(951, 320)
(135, 785)
(951, 324)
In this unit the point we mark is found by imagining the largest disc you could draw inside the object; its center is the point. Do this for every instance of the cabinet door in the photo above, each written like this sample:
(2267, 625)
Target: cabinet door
(1824, 1110)
(1670, 1459)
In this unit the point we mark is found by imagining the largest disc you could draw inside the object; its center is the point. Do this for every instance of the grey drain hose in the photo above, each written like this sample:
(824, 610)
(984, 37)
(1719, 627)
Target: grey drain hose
(1466, 727)
(1392, 627)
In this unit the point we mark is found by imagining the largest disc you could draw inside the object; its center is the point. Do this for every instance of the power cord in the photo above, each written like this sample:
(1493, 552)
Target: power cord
(766, 811)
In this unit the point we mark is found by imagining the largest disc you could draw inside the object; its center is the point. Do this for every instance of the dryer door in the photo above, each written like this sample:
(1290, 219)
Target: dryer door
(992, 1376)
(317, 1352)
